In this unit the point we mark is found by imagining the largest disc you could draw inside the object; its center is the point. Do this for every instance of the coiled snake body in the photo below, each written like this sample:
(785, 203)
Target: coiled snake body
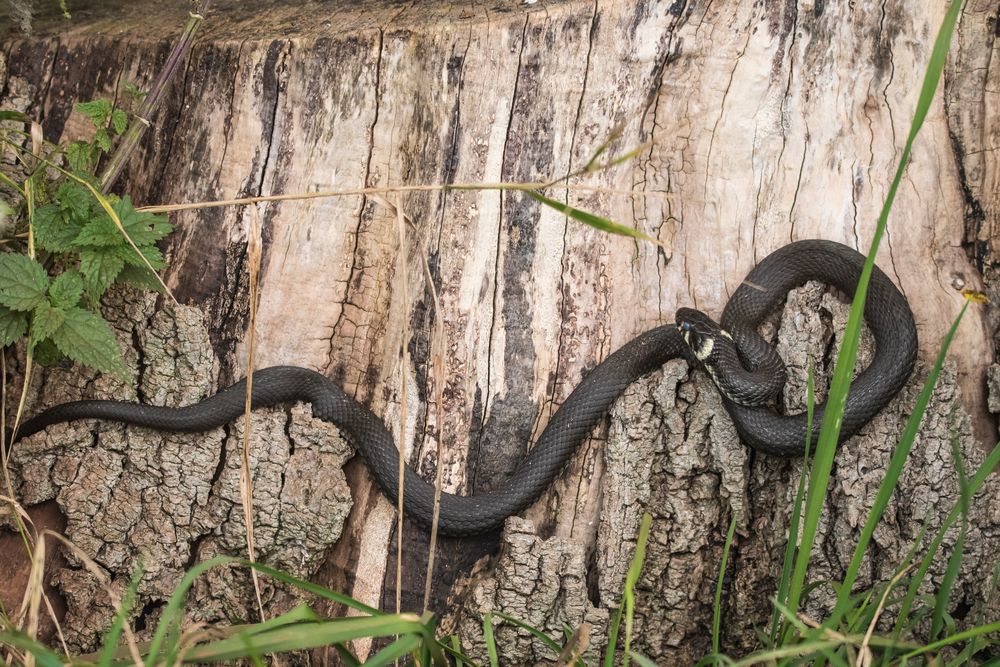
(886, 311)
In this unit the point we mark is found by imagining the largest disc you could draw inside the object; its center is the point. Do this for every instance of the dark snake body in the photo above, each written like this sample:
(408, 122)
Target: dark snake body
(886, 311)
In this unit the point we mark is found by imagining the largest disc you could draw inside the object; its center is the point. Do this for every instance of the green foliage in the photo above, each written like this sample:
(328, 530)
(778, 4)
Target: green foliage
(86, 338)
(627, 607)
(597, 222)
(83, 244)
(23, 282)
(66, 289)
(13, 326)
(135, 95)
(84, 155)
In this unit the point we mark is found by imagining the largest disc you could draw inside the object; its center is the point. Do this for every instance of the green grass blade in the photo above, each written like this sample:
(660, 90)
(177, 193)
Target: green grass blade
(628, 156)
(43, 656)
(425, 654)
(612, 136)
(315, 589)
(892, 475)
(535, 632)
(948, 582)
(595, 221)
(300, 614)
(609, 650)
(171, 619)
(394, 651)
(15, 116)
(903, 618)
(428, 623)
(976, 645)
(772, 656)
(793, 527)
(717, 604)
(826, 653)
(346, 656)
(454, 649)
(112, 637)
(253, 655)
(641, 660)
(955, 560)
(632, 578)
(715, 659)
(491, 644)
(830, 429)
(10, 183)
(306, 635)
(956, 638)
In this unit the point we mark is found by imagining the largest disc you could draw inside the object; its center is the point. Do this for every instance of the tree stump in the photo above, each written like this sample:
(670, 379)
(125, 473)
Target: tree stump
(759, 123)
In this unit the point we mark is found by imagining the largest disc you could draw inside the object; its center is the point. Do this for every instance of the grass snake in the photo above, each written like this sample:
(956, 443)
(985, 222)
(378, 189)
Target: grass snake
(738, 359)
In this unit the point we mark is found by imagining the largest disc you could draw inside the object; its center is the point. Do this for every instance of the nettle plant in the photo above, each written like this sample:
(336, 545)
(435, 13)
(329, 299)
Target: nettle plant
(66, 243)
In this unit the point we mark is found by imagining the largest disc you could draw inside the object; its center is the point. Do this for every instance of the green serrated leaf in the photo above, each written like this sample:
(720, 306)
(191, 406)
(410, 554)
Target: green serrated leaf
(23, 282)
(80, 156)
(134, 92)
(87, 339)
(102, 139)
(13, 326)
(97, 111)
(100, 232)
(66, 289)
(142, 228)
(93, 181)
(147, 253)
(54, 230)
(119, 121)
(140, 277)
(45, 319)
(100, 267)
(75, 199)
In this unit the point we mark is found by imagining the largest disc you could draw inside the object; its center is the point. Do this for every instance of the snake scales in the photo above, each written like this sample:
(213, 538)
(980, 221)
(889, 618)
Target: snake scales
(886, 311)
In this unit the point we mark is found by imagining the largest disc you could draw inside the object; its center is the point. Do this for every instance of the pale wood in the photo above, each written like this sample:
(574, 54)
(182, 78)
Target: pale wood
(766, 123)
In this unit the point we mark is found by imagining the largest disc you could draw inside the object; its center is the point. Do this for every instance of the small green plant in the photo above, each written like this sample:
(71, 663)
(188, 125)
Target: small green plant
(67, 244)
(83, 155)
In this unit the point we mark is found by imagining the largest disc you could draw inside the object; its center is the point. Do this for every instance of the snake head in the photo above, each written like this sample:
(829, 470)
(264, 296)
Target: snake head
(751, 379)
(700, 332)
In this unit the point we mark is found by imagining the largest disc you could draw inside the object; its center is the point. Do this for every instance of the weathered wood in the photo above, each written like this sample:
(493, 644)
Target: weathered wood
(765, 123)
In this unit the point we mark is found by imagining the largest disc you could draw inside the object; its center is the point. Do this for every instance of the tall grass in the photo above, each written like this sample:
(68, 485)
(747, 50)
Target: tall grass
(836, 639)
(829, 436)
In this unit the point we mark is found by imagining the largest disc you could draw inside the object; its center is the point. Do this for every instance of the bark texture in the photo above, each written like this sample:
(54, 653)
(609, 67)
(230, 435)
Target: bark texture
(761, 123)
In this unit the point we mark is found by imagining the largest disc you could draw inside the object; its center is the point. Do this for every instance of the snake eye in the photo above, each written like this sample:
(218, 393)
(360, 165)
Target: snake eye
(684, 326)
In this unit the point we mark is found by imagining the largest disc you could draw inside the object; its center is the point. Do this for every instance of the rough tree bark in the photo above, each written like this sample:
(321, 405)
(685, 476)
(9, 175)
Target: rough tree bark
(765, 122)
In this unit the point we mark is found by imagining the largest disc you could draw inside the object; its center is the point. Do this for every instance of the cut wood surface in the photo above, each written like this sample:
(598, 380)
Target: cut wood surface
(760, 123)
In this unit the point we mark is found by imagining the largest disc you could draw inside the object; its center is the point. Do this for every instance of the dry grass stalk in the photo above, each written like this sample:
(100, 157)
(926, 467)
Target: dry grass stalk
(438, 373)
(246, 477)
(433, 187)
(404, 365)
